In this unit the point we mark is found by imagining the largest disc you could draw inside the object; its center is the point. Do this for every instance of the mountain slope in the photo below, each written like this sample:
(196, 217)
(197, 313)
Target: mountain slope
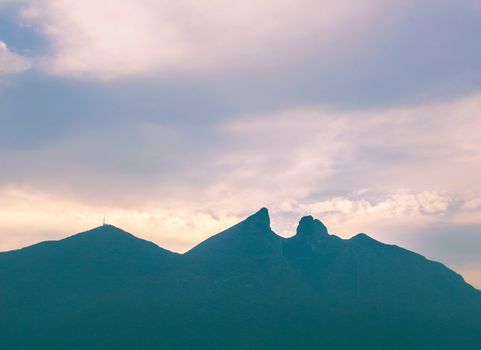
(244, 288)
(46, 284)
(371, 286)
(362, 269)
(244, 283)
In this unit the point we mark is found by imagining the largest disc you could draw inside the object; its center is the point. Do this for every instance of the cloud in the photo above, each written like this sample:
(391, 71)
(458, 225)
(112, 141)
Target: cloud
(300, 52)
(355, 169)
(25, 215)
(10, 2)
(12, 63)
(302, 153)
(122, 38)
(418, 148)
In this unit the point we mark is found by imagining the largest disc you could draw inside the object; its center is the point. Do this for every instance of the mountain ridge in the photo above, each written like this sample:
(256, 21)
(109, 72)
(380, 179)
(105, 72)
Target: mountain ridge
(243, 288)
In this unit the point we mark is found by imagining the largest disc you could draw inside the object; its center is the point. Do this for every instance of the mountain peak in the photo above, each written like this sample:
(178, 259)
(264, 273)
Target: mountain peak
(260, 218)
(310, 228)
(105, 230)
(250, 238)
(111, 238)
(364, 239)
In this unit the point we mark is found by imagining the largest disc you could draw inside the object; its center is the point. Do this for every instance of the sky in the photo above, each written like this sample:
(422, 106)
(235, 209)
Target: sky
(176, 119)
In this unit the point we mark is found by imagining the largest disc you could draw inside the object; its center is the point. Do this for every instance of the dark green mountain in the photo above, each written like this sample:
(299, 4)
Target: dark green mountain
(244, 288)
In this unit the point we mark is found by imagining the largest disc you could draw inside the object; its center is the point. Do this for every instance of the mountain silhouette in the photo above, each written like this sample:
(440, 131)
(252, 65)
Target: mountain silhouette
(244, 288)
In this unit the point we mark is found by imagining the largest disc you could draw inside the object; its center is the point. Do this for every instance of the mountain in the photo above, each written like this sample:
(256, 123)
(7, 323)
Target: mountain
(244, 288)
(47, 284)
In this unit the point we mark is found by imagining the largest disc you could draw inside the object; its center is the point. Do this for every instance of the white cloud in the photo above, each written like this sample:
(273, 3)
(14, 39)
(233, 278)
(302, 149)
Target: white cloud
(119, 38)
(377, 163)
(472, 204)
(26, 214)
(11, 62)
(350, 214)
(358, 171)
(421, 147)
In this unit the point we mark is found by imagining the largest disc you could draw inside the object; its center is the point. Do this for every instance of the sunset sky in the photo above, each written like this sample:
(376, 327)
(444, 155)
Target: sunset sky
(179, 118)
